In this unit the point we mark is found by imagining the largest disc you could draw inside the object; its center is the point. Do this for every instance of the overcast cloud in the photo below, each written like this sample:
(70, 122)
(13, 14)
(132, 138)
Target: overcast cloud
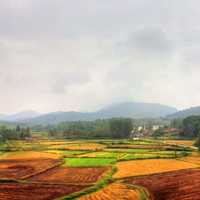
(82, 55)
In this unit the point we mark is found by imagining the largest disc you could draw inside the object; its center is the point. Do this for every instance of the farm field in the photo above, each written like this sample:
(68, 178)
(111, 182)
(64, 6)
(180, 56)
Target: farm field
(101, 169)
(178, 185)
(180, 142)
(32, 191)
(84, 176)
(89, 162)
(115, 191)
(152, 166)
(20, 165)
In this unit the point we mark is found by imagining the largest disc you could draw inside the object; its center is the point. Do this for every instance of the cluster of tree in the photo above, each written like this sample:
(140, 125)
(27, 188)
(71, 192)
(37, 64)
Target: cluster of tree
(13, 134)
(121, 128)
(191, 127)
(111, 128)
(177, 123)
(158, 133)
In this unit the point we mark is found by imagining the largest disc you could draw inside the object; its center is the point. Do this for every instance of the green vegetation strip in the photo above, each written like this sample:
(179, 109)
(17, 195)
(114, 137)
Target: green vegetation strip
(144, 194)
(89, 162)
(99, 185)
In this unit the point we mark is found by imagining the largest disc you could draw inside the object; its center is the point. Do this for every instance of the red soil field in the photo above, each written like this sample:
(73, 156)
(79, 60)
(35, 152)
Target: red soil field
(20, 169)
(179, 185)
(71, 175)
(16, 191)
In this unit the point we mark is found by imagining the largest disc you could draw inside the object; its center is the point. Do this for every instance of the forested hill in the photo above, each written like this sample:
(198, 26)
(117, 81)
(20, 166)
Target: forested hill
(128, 110)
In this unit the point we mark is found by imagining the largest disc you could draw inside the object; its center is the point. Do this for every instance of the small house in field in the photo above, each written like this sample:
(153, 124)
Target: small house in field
(155, 127)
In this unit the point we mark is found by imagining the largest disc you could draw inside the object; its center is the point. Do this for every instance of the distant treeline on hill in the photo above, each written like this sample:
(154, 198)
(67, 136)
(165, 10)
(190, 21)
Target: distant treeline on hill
(113, 128)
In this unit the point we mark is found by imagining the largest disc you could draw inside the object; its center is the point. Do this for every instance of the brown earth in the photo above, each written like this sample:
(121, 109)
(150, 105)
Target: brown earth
(71, 175)
(179, 185)
(20, 169)
(16, 191)
(113, 192)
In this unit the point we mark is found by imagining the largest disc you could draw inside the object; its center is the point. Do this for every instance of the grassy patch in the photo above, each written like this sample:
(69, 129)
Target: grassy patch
(89, 162)
(103, 154)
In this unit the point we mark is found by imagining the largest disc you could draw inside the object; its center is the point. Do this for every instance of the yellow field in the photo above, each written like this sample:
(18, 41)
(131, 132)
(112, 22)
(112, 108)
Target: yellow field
(57, 142)
(80, 146)
(85, 146)
(28, 155)
(114, 191)
(180, 142)
(193, 158)
(145, 167)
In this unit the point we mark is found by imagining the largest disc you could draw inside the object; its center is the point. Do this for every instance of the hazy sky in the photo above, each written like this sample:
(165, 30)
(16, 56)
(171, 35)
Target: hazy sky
(83, 54)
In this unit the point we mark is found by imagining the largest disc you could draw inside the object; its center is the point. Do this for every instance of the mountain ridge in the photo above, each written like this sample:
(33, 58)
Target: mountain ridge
(185, 113)
(126, 109)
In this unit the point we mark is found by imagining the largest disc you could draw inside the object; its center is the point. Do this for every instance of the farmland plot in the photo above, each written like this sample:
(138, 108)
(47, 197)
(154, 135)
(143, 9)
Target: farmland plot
(89, 162)
(178, 185)
(31, 191)
(68, 175)
(146, 167)
(113, 192)
(22, 165)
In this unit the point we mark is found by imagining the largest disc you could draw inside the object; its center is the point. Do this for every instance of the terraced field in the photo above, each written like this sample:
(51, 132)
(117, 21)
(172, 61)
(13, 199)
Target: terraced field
(152, 166)
(84, 170)
(21, 165)
(35, 191)
(178, 185)
(82, 176)
(115, 191)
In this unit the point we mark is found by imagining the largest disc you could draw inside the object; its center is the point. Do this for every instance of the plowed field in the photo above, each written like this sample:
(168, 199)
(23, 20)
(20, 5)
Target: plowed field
(71, 175)
(114, 192)
(179, 185)
(20, 169)
(16, 191)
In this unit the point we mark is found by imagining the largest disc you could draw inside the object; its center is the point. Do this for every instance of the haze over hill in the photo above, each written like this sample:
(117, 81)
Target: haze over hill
(126, 109)
(19, 116)
(185, 113)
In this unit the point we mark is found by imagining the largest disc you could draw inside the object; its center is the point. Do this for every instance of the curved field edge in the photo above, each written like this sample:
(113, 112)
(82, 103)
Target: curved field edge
(144, 193)
(99, 185)
(118, 190)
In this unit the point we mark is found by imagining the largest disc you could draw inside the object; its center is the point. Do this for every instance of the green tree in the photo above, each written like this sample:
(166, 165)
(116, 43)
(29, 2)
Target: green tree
(120, 127)
(191, 126)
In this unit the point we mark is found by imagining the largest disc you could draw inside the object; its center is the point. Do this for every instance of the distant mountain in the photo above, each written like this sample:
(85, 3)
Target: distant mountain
(127, 109)
(137, 110)
(57, 117)
(185, 113)
(19, 116)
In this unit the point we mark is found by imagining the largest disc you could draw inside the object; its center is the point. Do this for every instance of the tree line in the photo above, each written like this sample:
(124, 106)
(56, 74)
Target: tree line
(14, 134)
(111, 128)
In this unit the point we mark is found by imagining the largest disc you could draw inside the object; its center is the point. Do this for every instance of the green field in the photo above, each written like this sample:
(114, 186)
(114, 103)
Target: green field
(89, 162)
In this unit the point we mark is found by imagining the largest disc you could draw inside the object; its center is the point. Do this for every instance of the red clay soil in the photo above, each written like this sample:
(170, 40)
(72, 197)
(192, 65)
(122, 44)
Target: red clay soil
(16, 191)
(19, 169)
(71, 175)
(179, 185)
